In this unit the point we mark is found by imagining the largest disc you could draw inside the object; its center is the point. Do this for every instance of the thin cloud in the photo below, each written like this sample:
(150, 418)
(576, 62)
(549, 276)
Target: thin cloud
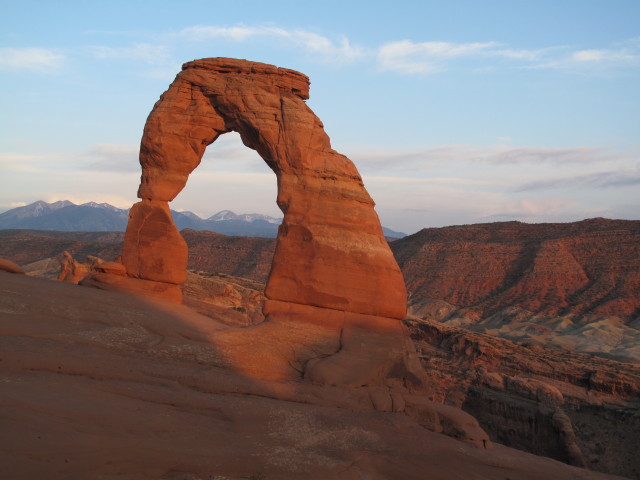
(110, 157)
(621, 56)
(521, 54)
(535, 155)
(497, 155)
(426, 57)
(227, 153)
(230, 146)
(341, 51)
(409, 57)
(596, 60)
(139, 52)
(610, 179)
(528, 208)
(34, 59)
(21, 163)
(420, 181)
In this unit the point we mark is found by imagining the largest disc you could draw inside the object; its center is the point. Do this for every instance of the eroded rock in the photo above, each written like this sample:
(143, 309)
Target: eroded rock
(72, 271)
(335, 293)
(9, 266)
(331, 251)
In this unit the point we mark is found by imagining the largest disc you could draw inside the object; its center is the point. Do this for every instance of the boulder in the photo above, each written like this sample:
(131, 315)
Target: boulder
(9, 266)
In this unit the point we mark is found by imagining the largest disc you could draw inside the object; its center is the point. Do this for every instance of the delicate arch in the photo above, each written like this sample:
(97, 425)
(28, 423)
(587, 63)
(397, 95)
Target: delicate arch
(330, 251)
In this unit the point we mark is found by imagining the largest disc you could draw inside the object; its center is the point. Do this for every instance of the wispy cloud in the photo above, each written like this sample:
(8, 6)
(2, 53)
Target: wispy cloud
(409, 57)
(536, 155)
(453, 203)
(226, 154)
(35, 59)
(22, 163)
(469, 184)
(493, 155)
(341, 50)
(113, 157)
(530, 210)
(201, 33)
(608, 179)
(624, 54)
(140, 52)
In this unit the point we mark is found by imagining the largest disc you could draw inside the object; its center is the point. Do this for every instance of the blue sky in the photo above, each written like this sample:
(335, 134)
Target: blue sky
(453, 111)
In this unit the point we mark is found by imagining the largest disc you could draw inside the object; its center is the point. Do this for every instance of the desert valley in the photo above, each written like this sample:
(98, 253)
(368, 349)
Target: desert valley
(338, 350)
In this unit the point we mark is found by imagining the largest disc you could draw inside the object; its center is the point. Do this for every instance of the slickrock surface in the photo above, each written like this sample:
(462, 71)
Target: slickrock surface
(239, 299)
(515, 390)
(99, 384)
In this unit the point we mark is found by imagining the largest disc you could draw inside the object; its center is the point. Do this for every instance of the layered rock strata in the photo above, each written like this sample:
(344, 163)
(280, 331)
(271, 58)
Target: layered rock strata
(576, 408)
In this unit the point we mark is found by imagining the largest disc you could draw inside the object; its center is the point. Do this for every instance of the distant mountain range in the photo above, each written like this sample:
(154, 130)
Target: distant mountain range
(65, 216)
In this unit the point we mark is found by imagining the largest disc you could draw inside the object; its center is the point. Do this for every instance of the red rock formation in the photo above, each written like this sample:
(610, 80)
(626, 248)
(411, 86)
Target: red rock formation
(576, 408)
(72, 271)
(331, 251)
(574, 285)
(247, 257)
(28, 246)
(332, 265)
(9, 266)
(584, 267)
(240, 299)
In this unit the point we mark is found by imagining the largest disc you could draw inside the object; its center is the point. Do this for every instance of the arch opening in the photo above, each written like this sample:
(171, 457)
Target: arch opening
(231, 177)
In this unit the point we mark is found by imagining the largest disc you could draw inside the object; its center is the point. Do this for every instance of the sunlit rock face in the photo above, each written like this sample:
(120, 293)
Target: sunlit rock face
(335, 294)
(330, 253)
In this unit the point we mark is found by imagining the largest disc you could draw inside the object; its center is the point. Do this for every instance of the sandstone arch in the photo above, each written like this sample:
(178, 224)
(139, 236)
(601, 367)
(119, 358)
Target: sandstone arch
(330, 252)
(335, 294)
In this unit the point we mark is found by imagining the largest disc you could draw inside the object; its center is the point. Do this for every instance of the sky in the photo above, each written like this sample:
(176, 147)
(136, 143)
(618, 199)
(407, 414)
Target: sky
(454, 112)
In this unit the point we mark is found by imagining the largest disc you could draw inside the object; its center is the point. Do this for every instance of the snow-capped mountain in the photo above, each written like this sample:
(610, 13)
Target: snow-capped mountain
(36, 209)
(245, 217)
(102, 217)
(106, 206)
(92, 216)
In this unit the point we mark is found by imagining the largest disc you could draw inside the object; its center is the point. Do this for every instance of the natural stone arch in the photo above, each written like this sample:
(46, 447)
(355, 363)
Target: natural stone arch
(331, 252)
